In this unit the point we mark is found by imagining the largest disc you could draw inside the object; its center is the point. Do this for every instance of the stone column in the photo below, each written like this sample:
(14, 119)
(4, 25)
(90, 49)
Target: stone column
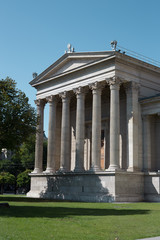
(51, 151)
(147, 143)
(38, 168)
(132, 90)
(96, 125)
(114, 123)
(65, 133)
(80, 128)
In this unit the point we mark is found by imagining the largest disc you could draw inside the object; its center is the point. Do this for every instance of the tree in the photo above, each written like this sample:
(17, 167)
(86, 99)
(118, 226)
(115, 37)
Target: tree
(17, 117)
(23, 180)
(23, 158)
(6, 178)
(13, 166)
(26, 153)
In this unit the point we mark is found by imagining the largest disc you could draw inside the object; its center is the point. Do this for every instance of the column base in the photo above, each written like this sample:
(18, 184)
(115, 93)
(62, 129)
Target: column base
(37, 170)
(95, 169)
(113, 168)
(133, 169)
(62, 170)
(78, 169)
(49, 170)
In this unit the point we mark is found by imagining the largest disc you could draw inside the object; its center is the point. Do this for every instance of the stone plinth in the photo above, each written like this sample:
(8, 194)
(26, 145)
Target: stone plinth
(152, 187)
(89, 187)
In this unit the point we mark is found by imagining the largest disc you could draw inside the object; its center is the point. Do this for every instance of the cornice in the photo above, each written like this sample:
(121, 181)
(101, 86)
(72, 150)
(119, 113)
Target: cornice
(130, 61)
(73, 70)
(105, 54)
(68, 56)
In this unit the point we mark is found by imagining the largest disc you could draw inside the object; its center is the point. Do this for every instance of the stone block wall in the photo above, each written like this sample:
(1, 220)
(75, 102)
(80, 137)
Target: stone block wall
(89, 187)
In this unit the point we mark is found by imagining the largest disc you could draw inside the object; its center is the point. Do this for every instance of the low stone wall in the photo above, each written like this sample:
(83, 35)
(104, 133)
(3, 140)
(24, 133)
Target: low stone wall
(129, 187)
(89, 187)
(152, 187)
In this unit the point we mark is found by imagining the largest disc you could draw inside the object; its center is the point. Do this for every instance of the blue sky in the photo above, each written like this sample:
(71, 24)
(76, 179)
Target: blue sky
(35, 33)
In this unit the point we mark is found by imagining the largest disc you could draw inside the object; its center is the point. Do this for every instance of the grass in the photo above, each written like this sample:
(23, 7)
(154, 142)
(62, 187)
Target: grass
(32, 219)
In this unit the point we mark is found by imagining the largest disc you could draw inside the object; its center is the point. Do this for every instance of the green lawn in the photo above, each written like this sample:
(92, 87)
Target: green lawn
(30, 219)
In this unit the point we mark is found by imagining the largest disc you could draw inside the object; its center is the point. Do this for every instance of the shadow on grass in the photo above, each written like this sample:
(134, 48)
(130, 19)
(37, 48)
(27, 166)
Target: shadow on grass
(15, 198)
(63, 212)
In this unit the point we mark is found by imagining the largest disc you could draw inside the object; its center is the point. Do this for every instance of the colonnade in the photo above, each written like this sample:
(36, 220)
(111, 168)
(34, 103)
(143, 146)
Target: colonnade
(96, 88)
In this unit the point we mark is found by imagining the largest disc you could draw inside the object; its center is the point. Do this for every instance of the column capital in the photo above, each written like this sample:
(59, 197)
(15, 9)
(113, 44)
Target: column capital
(80, 90)
(96, 86)
(65, 95)
(131, 86)
(52, 98)
(114, 82)
(40, 102)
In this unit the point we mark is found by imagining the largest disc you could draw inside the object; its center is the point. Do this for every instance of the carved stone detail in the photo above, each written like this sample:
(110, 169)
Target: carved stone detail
(40, 102)
(114, 81)
(97, 87)
(52, 98)
(132, 86)
(80, 90)
(65, 95)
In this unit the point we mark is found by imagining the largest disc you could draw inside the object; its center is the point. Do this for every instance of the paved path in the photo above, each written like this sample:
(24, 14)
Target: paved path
(153, 238)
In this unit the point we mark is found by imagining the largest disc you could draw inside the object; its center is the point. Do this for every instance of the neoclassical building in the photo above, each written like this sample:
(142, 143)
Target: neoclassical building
(103, 130)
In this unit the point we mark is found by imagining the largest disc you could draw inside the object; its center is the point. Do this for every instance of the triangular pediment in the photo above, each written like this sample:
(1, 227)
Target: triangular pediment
(70, 65)
(70, 62)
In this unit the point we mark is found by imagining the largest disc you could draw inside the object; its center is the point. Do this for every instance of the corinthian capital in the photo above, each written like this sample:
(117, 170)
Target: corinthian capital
(129, 86)
(114, 81)
(80, 90)
(97, 86)
(65, 95)
(40, 102)
(52, 98)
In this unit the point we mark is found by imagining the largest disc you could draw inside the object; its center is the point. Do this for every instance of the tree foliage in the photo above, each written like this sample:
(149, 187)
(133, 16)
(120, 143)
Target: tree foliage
(25, 155)
(17, 117)
(27, 152)
(6, 178)
(23, 180)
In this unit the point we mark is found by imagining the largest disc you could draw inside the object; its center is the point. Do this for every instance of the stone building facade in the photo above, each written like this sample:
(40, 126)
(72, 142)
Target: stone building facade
(103, 131)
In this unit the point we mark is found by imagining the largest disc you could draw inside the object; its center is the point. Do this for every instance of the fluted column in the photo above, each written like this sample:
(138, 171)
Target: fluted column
(80, 128)
(147, 143)
(51, 135)
(132, 90)
(96, 125)
(38, 168)
(65, 133)
(114, 123)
